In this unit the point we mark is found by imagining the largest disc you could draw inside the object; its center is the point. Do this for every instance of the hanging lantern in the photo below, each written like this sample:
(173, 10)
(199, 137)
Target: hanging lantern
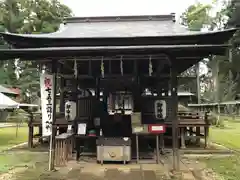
(160, 108)
(121, 65)
(150, 71)
(70, 110)
(102, 68)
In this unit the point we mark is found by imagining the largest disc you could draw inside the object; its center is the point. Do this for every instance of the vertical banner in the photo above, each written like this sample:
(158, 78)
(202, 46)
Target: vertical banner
(47, 92)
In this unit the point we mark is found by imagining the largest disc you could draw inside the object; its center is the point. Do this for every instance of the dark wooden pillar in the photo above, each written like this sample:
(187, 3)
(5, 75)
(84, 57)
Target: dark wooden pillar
(111, 101)
(62, 102)
(105, 96)
(40, 130)
(183, 133)
(137, 95)
(97, 90)
(75, 122)
(30, 132)
(198, 134)
(160, 92)
(206, 134)
(40, 140)
(61, 85)
(54, 127)
(174, 118)
(206, 129)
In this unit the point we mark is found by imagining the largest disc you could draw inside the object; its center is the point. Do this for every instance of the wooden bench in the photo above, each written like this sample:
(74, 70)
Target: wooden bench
(193, 120)
(64, 148)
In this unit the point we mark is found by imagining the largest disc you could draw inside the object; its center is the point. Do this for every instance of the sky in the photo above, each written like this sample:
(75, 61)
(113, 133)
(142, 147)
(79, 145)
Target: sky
(128, 7)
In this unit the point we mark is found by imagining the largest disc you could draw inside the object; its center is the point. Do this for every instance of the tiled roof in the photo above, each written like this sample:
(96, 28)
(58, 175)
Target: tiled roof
(125, 26)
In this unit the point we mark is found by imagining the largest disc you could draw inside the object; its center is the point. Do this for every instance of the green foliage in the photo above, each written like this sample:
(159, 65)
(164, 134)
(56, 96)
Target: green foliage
(28, 16)
(222, 82)
(32, 16)
(232, 11)
(196, 16)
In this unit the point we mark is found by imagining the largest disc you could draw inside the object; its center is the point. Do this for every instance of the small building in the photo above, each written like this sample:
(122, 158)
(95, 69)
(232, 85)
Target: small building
(7, 95)
(118, 56)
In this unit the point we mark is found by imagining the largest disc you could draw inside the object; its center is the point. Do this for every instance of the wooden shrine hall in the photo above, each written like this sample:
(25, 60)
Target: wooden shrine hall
(117, 78)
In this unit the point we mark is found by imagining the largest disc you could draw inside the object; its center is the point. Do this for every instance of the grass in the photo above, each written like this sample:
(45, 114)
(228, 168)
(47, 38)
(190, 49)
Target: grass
(17, 158)
(8, 136)
(8, 139)
(14, 159)
(227, 167)
(229, 136)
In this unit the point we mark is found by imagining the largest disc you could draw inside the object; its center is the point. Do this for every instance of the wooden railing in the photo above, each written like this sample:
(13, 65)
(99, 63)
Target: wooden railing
(192, 122)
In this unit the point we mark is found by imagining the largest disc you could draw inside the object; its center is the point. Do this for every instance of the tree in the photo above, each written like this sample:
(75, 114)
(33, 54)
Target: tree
(28, 16)
(233, 13)
(223, 74)
(196, 16)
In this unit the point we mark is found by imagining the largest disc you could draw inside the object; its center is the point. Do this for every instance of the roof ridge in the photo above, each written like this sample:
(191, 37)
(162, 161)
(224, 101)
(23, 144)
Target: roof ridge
(166, 17)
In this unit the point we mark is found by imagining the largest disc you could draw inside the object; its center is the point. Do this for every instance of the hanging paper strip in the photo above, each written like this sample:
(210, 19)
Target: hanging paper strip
(75, 69)
(47, 92)
(150, 70)
(121, 65)
(102, 68)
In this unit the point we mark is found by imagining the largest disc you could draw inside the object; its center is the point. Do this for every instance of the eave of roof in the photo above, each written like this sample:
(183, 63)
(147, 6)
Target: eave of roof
(35, 41)
(215, 104)
(199, 51)
(119, 31)
(64, 34)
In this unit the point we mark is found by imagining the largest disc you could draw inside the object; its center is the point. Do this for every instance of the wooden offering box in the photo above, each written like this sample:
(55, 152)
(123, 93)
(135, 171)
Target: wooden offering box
(114, 149)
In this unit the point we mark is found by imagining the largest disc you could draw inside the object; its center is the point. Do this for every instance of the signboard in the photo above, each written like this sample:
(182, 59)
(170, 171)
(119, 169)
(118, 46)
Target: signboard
(46, 85)
(82, 127)
(157, 128)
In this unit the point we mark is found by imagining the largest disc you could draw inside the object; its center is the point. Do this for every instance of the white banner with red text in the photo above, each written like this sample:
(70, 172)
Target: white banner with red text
(47, 93)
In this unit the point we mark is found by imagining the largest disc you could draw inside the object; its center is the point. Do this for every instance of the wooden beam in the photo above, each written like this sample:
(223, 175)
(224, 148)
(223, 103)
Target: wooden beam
(110, 76)
(90, 68)
(57, 52)
(65, 65)
(128, 57)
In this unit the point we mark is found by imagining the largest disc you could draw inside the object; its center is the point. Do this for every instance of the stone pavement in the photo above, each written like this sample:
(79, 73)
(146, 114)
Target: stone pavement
(93, 171)
(117, 172)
